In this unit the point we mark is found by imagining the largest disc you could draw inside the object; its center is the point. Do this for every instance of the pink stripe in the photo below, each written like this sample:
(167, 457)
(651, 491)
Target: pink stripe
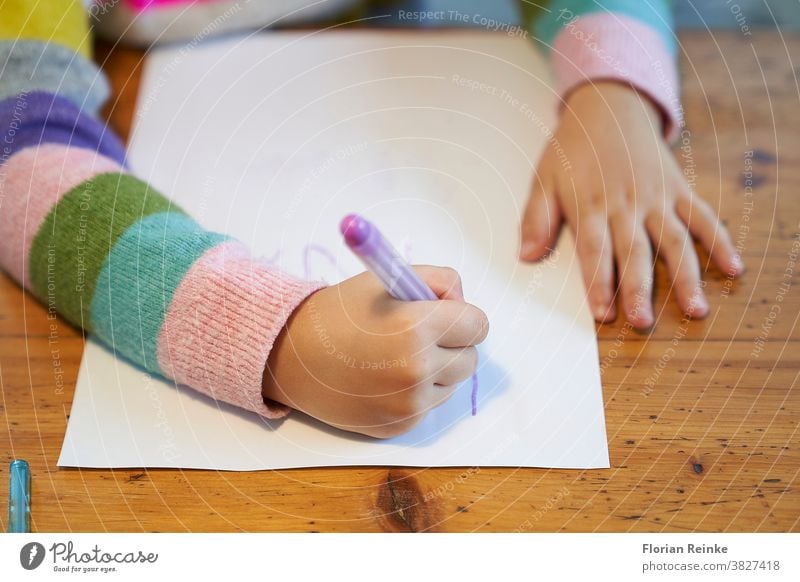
(611, 46)
(32, 182)
(222, 322)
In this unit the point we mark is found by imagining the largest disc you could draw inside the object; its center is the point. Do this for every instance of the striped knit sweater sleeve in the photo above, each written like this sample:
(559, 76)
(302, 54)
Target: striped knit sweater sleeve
(105, 250)
(629, 41)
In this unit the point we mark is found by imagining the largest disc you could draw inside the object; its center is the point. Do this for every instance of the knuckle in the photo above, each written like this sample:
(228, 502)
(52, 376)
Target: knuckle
(590, 241)
(597, 198)
(654, 223)
(698, 205)
(673, 239)
(631, 197)
(638, 253)
(412, 326)
(416, 372)
(450, 274)
(417, 335)
(710, 215)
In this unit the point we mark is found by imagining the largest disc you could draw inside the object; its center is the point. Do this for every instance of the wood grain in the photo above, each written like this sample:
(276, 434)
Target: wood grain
(702, 416)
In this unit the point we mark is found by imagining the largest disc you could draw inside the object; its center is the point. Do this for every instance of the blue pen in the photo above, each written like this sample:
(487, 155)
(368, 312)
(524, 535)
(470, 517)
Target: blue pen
(400, 280)
(19, 497)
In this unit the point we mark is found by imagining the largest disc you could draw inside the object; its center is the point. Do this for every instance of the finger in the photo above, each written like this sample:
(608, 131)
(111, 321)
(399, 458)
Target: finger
(444, 281)
(458, 325)
(634, 270)
(702, 222)
(593, 244)
(455, 365)
(436, 395)
(675, 246)
(541, 222)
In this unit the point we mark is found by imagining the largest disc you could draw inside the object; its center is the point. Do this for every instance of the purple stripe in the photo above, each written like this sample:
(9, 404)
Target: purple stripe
(31, 119)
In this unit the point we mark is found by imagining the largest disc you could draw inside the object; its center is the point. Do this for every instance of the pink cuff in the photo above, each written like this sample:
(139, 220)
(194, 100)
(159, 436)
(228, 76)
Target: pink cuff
(602, 46)
(222, 323)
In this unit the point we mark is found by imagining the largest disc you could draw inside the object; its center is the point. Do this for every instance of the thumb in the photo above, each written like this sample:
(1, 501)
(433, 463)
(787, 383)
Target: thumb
(540, 223)
(445, 282)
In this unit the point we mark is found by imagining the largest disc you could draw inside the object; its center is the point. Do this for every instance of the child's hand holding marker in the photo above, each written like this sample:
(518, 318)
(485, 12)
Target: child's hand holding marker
(609, 173)
(373, 358)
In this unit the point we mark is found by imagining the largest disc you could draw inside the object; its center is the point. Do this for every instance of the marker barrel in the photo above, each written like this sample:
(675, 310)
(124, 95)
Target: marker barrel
(19, 497)
(369, 245)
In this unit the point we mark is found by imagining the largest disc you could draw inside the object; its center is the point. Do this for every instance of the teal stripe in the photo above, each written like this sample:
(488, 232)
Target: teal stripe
(138, 280)
(654, 13)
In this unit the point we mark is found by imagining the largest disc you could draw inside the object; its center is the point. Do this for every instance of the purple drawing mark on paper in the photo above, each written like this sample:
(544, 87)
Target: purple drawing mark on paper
(315, 248)
(474, 397)
(273, 260)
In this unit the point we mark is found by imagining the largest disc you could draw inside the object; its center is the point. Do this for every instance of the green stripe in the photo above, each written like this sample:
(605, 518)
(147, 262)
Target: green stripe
(77, 236)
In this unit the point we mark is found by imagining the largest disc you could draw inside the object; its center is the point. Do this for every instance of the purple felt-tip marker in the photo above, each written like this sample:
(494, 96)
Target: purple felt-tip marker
(400, 280)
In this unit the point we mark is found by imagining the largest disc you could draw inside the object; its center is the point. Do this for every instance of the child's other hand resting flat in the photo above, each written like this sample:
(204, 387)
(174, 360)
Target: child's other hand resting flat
(354, 357)
(619, 188)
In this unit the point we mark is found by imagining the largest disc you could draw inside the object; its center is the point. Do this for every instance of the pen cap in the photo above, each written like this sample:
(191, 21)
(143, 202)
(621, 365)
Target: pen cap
(380, 257)
(19, 497)
(359, 234)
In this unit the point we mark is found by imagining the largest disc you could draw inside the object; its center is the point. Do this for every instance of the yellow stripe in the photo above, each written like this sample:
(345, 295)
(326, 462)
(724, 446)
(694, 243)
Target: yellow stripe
(60, 21)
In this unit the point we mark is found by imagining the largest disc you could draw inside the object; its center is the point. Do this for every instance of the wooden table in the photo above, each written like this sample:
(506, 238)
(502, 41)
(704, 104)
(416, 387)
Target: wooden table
(702, 417)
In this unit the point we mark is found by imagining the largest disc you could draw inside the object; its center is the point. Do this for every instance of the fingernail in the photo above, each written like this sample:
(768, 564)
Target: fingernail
(528, 248)
(698, 304)
(738, 264)
(600, 310)
(643, 315)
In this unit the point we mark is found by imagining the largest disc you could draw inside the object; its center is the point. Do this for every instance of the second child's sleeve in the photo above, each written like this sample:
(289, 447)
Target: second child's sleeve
(106, 251)
(628, 41)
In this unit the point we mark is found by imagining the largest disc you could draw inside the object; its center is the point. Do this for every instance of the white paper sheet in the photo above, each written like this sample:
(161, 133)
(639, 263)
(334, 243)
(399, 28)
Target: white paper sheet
(434, 137)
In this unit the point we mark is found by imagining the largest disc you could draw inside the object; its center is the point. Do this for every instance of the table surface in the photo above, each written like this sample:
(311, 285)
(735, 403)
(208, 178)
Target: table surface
(702, 417)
